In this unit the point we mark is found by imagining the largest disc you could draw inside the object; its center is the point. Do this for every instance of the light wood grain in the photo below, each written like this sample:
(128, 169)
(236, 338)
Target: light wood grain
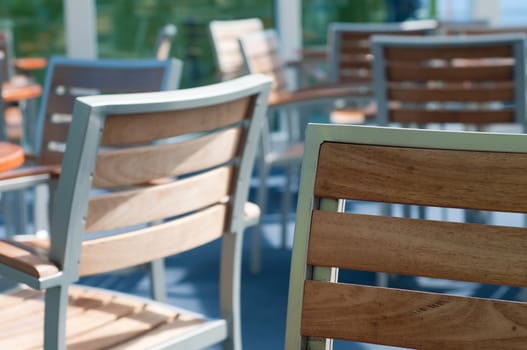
(97, 320)
(100, 255)
(468, 252)
(423, 176)
(139, 128)
(126, 208)
(119, 167)
(411, 319)
(25, 261)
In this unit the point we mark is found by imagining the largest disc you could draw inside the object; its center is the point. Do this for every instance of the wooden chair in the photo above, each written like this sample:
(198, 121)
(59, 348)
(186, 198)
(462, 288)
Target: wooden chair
(350, 62)
(67, 79)
(224, 35)
(476, 80)
(201, 142)
(261, 52)
(432, 168)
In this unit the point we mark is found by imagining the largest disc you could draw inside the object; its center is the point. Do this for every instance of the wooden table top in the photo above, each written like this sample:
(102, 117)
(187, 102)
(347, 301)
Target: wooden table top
(11, 156)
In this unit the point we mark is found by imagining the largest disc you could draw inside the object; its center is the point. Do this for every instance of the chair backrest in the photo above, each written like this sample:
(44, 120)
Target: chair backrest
(164, 41)
(7, 54)
(261, 53)
(417, 167)
(470, 80)
(201, 142)
(482, 29)
(224, 36)
(68, 78)
(350, 56)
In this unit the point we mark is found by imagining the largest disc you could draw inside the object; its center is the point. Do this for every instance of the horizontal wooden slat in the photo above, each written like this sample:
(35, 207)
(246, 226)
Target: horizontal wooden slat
(419, 54)
(456, 94)
(109, 79)
(116, 210)
(467, 252)
(411, 319)
(119, 251)
(124, 129)
(462, 179)
(355, 64)
(355, 49)
(480, 73)
(119, 167)
(407, 115)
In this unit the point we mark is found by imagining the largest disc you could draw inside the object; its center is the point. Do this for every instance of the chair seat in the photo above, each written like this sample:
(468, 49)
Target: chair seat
(99, 319)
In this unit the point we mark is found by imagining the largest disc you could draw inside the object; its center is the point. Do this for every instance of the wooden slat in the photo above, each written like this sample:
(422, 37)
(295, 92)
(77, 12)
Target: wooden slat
(355, 64)
(119, 251)
(407, 115)
(119, 167)
(117, 210)
(123, 129)
(355, 49)
(480, 73)
(463, 179)
(265, 63)
(109, 79)
(468, 252)
(25, 261)
(455, 94)
(419, 54)
(411, 319)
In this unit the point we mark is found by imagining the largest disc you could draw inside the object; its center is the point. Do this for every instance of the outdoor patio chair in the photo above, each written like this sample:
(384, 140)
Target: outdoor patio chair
(469, 80)
(470, 170)
(282, 140)
(350, 62)
(175, 169)
(67, 79)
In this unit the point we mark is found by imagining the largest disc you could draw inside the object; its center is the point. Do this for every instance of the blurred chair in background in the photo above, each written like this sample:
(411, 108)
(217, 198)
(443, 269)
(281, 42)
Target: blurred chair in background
(164, 41)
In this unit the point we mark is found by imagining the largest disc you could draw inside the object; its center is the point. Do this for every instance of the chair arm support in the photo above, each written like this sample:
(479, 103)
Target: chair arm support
(26, 260)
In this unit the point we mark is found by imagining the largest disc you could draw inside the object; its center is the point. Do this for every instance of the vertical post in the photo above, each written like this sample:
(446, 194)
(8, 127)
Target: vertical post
(488, 9)
(80, 26)
(289, 26)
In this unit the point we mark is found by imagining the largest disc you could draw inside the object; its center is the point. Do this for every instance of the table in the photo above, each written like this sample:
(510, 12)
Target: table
(11, 156)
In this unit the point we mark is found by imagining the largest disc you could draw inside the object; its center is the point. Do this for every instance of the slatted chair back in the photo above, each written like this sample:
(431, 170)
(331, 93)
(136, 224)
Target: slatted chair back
(480, 171)
(261, 52)
(67, 79)
(224, 37)
(470, 80)
(350, 56)
(175, 168)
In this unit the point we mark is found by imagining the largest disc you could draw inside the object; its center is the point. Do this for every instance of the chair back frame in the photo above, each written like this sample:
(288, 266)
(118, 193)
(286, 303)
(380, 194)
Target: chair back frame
(311, 199)
(336, 32)
(469, 43)
(171, 74)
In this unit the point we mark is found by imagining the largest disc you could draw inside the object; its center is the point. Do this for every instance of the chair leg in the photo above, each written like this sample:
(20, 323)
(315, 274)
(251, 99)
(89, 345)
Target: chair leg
(286, 204)
(157, 280)
(40, 210)
(56, 304)
(261, 200)
(15, 211)
(230, 272)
